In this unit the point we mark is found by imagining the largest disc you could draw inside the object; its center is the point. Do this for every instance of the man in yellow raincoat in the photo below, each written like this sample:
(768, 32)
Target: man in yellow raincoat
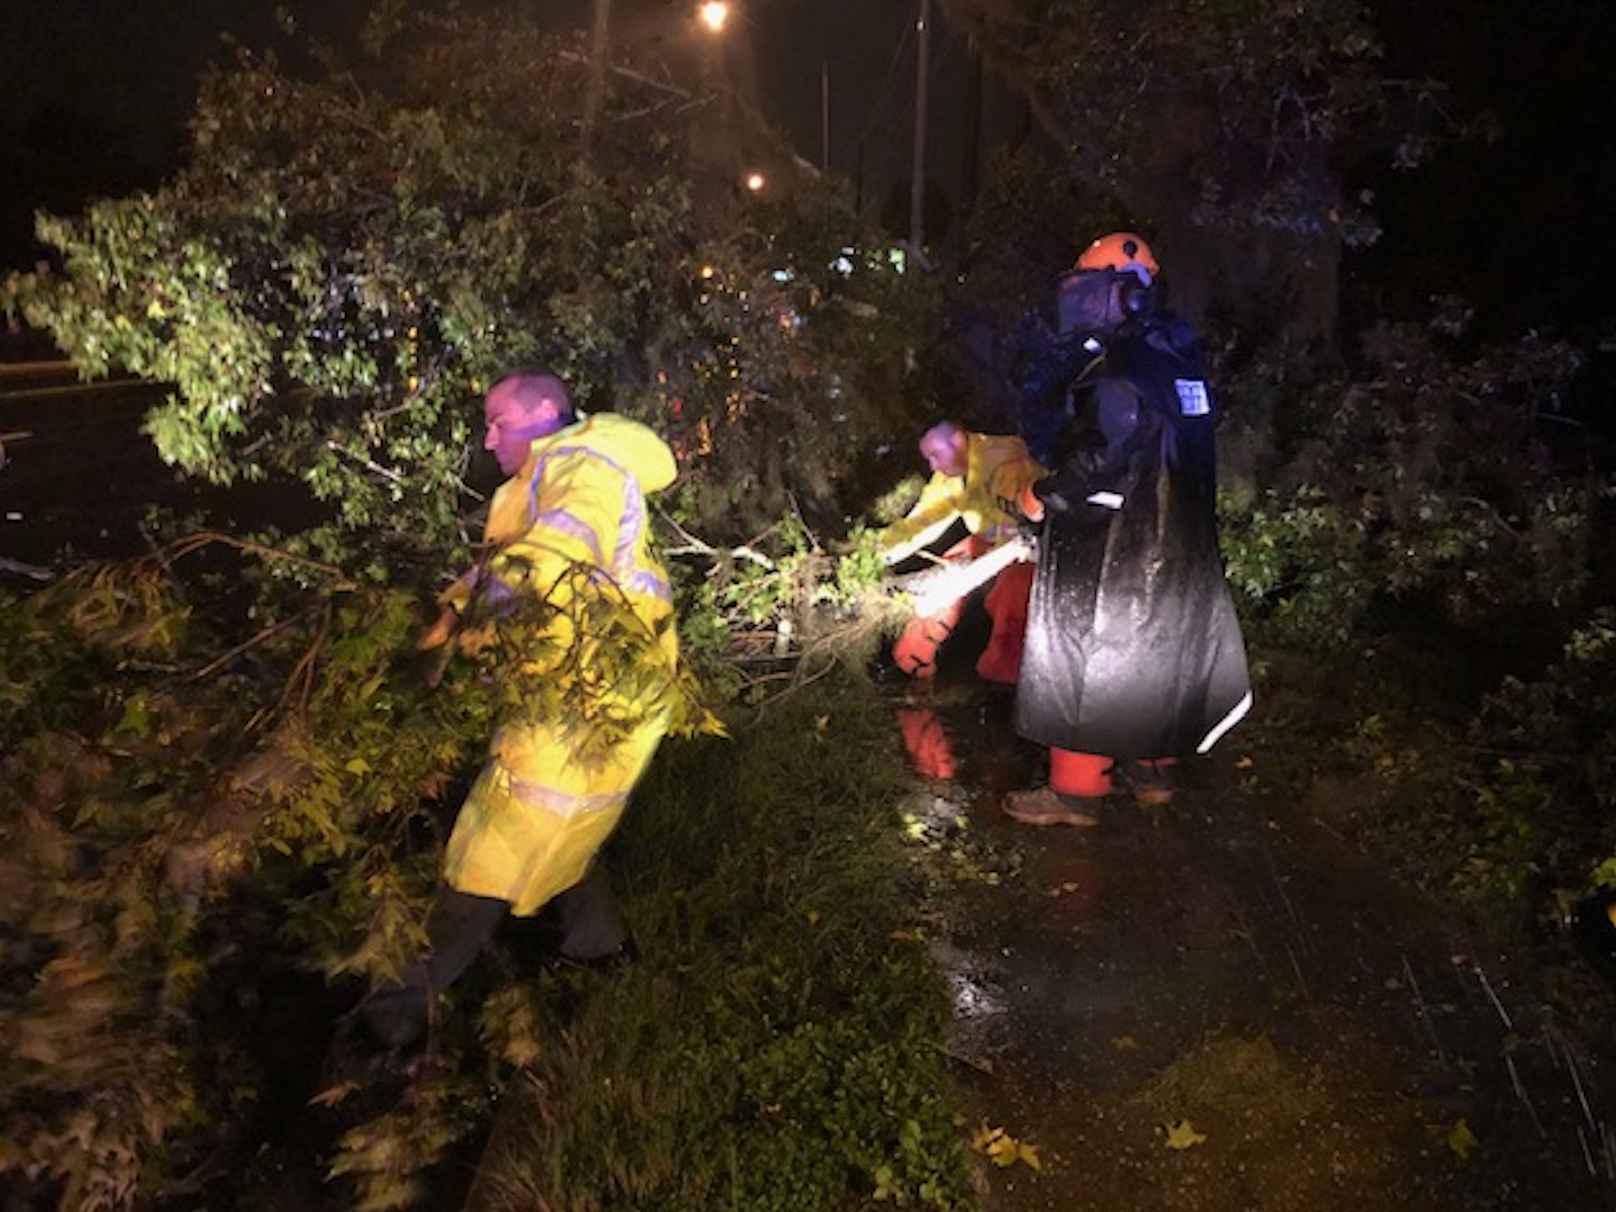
(976, 478)
(569, 530)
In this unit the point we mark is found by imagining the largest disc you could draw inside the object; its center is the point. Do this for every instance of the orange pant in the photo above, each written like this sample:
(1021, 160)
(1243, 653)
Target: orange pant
(927, 743)
(1086, 775)
(1006, 605)
(915, 651)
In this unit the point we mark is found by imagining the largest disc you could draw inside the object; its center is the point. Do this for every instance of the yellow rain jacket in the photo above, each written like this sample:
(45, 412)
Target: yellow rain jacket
(997, 468)
(543, 805)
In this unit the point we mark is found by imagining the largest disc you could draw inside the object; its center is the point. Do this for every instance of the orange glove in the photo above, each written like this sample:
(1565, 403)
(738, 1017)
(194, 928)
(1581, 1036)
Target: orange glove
(1030, 506)
(437, 635)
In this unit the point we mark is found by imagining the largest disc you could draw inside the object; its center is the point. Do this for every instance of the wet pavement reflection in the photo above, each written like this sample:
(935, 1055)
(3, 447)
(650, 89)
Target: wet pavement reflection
(1225, 1003)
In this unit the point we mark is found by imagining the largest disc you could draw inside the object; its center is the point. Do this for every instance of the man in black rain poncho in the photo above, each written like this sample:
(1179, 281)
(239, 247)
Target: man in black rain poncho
(1133, 656)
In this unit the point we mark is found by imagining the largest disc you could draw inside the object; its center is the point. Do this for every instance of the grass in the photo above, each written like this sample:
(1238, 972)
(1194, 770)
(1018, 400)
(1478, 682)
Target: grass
(778, 1047)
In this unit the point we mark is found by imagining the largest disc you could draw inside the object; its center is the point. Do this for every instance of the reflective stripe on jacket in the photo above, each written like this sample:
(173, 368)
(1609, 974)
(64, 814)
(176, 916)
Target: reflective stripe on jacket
(997, 468)
(541, 806)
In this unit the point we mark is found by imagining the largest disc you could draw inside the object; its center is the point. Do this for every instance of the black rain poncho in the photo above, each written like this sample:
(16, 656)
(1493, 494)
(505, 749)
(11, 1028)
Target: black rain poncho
(1133, 649)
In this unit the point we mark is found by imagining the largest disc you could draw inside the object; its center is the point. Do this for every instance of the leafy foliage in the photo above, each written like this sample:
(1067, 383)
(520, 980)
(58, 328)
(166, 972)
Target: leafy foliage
(1462, 486)
(1229, 132)
(1430, 528)
(302, 768)
(1272, 82)
(1526, 806)
(345, 262)
(787, 606)
(226, 810)
(340, 268)
(329, 283)
(388, 1155)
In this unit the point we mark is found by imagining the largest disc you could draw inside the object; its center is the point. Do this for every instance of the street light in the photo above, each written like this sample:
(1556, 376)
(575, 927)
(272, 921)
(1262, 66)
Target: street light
(714, 15)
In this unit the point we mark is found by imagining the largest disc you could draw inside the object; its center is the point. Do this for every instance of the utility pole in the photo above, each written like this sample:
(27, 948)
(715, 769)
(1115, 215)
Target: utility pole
(917, 187)
(970, 171)
(824, 113)
(597, 70)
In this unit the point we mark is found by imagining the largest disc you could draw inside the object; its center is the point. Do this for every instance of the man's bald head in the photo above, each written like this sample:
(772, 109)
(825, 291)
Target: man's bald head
(521, 408)
(532, 388)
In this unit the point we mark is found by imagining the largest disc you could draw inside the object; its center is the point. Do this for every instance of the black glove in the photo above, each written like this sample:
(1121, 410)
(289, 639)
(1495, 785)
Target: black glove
(1050, 494)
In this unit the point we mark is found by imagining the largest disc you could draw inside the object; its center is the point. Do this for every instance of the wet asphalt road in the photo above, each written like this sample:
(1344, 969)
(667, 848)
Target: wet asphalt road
(1227, 1005)
(77, 477)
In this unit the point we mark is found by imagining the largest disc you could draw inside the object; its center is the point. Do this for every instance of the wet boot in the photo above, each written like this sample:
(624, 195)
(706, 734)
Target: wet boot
(1047, 807)
(395, 1016)
(591, 921)
(1150, 781)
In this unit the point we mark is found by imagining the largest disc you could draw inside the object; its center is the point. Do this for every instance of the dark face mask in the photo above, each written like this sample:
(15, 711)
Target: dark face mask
(1099, 300)
(1085, 303)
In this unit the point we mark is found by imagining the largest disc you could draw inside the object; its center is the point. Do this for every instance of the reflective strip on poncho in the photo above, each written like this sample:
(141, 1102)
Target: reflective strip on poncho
(1133, 648)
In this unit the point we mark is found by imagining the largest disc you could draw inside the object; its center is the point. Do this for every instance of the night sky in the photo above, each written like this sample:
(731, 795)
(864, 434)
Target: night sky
(1524, 222)
(97, 92)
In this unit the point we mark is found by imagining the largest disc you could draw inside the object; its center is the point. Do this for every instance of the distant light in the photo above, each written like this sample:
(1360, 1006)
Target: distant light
(714, 15)
(754, 182)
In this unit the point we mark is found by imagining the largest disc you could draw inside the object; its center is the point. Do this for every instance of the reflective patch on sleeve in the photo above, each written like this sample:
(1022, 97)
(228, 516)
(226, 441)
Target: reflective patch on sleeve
(1193, 398)
(1106, 500)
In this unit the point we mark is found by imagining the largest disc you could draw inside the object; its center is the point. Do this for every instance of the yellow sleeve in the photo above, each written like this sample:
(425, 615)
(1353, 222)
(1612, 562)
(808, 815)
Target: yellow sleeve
(510, 517)
(1012, 478)
(938, 506)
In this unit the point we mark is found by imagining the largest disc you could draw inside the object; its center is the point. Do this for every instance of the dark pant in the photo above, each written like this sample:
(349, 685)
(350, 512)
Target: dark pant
(461, 926)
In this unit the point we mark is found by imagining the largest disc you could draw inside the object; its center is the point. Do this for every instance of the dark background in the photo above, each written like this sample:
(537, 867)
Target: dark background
(97, 93)
(1520, 225)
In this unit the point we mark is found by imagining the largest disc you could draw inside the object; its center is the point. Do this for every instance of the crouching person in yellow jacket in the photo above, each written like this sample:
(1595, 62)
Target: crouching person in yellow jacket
(567, 547)
(975, 478)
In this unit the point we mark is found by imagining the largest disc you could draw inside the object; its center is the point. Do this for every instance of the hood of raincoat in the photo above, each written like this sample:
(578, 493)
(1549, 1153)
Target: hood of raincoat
(633, 446)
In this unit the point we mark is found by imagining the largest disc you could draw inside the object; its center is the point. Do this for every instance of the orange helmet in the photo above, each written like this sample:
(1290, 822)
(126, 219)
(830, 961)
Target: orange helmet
(1121, 250)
